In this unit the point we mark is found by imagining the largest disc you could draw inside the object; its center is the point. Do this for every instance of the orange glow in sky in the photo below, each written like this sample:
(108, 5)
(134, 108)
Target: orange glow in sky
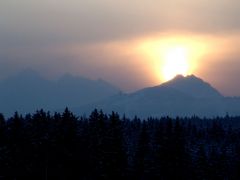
(156, 58)
(173, 55)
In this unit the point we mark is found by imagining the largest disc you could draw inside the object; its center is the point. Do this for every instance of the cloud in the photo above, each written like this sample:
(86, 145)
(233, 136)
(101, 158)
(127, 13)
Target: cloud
(51, 21)
(55, 36)
(222, 71)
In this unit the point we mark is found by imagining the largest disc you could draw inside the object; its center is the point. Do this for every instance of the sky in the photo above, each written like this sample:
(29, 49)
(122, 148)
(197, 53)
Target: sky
(124, 42)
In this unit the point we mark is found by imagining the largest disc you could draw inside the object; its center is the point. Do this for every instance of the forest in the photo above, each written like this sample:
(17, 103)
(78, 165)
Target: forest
(46, 145)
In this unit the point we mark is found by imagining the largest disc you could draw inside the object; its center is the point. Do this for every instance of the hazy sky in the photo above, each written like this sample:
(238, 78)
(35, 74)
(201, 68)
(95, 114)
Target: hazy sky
(119, 40)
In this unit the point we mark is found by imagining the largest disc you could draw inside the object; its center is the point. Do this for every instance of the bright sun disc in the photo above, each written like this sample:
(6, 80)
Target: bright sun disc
(175, 63)
(172, 55)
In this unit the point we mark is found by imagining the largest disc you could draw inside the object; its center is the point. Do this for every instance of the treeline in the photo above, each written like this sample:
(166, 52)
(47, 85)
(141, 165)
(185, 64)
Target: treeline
(63, 146)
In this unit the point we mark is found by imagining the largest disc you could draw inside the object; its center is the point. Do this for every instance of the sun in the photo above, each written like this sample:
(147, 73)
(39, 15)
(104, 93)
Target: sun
(169, 55)
(175, 62)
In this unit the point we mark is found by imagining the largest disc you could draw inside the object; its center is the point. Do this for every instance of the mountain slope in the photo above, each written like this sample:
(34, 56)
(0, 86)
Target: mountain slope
(28, 91)
(182, 96)
(193, 86)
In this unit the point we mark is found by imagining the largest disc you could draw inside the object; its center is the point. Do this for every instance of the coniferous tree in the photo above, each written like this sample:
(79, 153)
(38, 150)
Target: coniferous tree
(62, 146)
(96, 134)
(142, 157)
(115, 160)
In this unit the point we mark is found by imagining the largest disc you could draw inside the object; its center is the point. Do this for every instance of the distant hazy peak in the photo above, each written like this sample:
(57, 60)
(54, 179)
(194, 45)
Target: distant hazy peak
(28, 73)
(79, 79)
(27, 91)
(66, 75)
(25, 76)
(70, 77)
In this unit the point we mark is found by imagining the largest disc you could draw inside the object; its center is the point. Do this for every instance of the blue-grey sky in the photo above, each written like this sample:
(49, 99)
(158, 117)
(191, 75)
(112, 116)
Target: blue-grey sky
(103, 39)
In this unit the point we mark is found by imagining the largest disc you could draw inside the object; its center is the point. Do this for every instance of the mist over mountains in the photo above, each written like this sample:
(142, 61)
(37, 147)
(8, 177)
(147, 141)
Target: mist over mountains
(182, 96)
(28, 91)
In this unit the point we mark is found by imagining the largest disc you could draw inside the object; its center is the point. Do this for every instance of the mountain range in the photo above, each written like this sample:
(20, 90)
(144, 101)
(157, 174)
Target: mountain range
(181, 96)
(28, 91)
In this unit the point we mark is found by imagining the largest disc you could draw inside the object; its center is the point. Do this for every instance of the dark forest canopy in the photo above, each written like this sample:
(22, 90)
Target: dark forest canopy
(101, 146)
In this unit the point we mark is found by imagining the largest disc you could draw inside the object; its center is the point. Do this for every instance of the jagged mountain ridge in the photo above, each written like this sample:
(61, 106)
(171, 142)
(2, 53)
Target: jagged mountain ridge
(193, 86)
(28, 91)
(182, 96)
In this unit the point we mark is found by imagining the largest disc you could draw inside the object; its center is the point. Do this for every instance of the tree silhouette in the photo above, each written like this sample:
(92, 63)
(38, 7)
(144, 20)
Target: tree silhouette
(62, 146)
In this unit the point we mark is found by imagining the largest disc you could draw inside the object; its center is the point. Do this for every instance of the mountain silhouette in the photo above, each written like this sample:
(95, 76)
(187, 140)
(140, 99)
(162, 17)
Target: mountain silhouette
(181, 96)
(193, 86)
(28, 91)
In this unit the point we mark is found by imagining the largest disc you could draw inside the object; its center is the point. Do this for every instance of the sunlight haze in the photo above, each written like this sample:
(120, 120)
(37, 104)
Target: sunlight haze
(124, 42)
